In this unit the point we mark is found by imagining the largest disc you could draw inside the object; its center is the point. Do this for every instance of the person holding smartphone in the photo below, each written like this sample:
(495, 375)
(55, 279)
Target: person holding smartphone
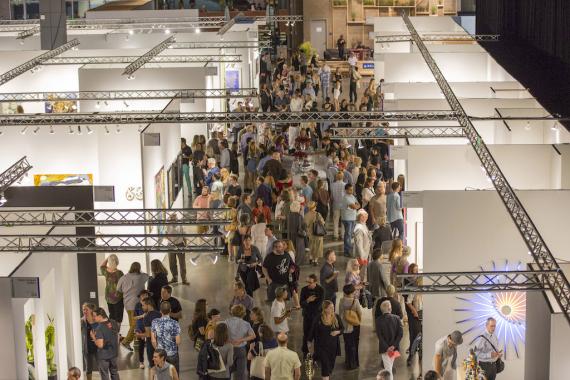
(486, 349)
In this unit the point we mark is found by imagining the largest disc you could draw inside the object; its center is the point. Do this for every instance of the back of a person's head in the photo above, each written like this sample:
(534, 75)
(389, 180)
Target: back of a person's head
(238, 311)
(282, 339)
(384, 375)
(165, 308)
(431, 375)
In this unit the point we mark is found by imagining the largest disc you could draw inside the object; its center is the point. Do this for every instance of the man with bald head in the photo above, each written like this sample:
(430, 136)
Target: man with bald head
(281, 362)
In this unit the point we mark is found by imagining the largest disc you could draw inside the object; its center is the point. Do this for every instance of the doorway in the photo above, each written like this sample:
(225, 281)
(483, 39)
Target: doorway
(319, 36)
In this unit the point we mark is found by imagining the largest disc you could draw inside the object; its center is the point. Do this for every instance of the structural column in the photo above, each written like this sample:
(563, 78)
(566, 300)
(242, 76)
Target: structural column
(53, 24)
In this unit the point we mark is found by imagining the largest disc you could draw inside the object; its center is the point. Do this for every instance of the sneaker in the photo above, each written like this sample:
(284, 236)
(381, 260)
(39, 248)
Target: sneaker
(127, 346)
(141, 366)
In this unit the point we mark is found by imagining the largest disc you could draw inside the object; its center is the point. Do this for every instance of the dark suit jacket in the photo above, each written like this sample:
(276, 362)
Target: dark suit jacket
(389, 331)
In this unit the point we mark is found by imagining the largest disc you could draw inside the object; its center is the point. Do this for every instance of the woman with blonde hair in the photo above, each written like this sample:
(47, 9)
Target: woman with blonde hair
(224, 176)
(325, 338)
(113, 296)
(353, 276)
(394, 257)
(315, 241)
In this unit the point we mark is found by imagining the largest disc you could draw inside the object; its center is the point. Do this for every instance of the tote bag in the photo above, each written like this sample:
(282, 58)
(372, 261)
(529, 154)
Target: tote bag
(257, 368)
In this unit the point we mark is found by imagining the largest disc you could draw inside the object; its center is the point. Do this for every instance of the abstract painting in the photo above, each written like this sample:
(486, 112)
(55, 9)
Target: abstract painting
(63, 179)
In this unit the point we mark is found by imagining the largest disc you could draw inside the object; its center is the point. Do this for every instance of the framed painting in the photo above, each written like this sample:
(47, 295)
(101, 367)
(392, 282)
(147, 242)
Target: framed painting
(63, 179)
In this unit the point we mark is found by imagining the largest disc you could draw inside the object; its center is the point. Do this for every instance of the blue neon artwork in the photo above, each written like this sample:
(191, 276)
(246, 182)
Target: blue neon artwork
(232, 79)
(508, 309)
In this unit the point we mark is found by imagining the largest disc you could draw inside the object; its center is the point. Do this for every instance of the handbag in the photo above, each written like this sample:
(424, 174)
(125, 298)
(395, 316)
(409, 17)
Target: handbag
(257, 367)
(499, 363)
(302, 230)
(351, 316)
(319, 228)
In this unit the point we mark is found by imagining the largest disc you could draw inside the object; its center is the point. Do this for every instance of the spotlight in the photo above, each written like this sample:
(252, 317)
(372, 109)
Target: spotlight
(131, 77)
(293, 23)
(3, 199)
(79, 131)
(214, 259)
(75, 48)
(527, 126)
(167, 31)
(98, 105)
(106, 104)
(194, 260)
(71, 131)
(131, 32)
(89, 130)
(554, 127)
(118, 129)
(125, 103)
(21, 42)
(197, 30)
(23, 131)
(107, 130)
(51, 131)
(36, 130)
(1, 132)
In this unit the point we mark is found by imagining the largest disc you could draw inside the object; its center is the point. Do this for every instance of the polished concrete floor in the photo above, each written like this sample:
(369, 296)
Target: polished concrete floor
(214, 282)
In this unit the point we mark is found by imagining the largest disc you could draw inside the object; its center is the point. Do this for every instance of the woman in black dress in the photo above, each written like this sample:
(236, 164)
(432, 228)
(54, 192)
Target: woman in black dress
(325, 335)
(157, 281)
(248, 258)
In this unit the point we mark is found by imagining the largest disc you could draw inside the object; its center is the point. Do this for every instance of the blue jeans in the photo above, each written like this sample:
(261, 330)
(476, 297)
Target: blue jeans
(348, 230)
(186, 173)
(398, 225)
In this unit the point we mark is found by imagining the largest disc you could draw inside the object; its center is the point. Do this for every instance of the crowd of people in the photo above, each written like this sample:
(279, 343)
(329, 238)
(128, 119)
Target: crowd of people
(280, 206)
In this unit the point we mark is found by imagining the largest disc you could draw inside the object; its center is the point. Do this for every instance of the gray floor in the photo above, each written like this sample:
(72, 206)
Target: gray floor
(214, 282)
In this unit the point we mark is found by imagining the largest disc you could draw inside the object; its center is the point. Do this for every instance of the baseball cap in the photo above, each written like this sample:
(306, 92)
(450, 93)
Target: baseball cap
(456, 337)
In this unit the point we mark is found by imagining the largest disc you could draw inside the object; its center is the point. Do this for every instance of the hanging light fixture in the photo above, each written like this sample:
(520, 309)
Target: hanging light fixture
(23, 131)
(71, 131)
(36, 130)
(51, 130)
(89, 130)
(98, 104)
(3, 199)
(107, 130)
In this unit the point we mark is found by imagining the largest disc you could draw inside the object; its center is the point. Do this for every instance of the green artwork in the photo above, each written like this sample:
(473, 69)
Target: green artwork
(50, 344)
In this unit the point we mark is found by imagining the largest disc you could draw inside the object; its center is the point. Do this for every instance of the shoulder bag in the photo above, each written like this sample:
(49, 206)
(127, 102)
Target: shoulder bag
(351, 316)
(499, 363)
(257, 368)
(319, 228)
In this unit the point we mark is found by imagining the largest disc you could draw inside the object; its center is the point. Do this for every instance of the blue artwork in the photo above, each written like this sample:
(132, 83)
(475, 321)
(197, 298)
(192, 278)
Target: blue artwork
(232, 79)
(508, 309)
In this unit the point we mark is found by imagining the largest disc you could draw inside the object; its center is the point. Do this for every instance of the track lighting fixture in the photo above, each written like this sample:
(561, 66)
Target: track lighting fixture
(214, 258)
(3, 199)
(51, 131)
(197, 30)
(106, 104)
(89, 130)
(98, 104)
(131, 77)
(71, 131)
(167, 31)
(23, 131)
(79, 131)
(118, 129)
(194, 260)
(107, 130)
(125, 103)
(36, 130)
(131, 32)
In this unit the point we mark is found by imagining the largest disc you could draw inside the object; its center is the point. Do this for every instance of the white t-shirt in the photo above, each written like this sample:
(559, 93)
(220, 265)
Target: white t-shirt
(336, 93)
(278, 310)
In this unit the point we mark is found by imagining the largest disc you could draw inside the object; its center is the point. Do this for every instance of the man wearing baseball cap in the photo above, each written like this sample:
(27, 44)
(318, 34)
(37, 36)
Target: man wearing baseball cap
(445, 358)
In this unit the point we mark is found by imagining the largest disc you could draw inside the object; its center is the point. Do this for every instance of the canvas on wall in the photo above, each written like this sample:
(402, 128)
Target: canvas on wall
(63, 179)
(174, 179)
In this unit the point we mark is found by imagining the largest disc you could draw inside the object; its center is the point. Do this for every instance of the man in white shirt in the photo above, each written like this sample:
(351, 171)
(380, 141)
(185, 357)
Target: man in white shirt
(352, 60)
(445, 358)
(486, 349)
(282, 363)
(279, 312)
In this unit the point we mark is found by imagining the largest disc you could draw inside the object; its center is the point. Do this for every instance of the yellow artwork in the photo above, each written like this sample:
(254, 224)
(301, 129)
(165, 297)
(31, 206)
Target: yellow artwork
(63, 179)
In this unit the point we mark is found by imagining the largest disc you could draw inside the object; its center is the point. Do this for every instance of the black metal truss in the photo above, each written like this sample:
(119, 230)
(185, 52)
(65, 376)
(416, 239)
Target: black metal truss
(28, 33)
(188, 93)
(395, 132)
(229, 58)
(437, 37)
(541, 254)
(40, 59)
(219, 117)
(148, 56)
(14, 173)
(222, 45)
(466, 282)
(113, 217)
(111, 243)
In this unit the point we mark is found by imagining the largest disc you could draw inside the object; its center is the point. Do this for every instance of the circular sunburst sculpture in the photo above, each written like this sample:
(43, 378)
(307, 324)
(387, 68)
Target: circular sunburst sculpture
(508, 309)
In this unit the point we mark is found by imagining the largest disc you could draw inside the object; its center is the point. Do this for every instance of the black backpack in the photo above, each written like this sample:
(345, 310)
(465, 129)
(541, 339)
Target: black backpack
(208, 360)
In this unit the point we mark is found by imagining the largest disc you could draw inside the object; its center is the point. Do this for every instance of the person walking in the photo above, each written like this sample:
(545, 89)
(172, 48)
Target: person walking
(282, 363)
(279, 312)
(445, 357)
(297, 231)
(487, 349)
(178, 242)
(329, 276)
(131, 285)
(348, 208)
(139, 331)
(394, 211)
(106, 338)
(276, 268)
(88, 324)
(113, 296)
(337, 195)
(325, 335)
(197, 329)
(157, 281)
(349, 305)
(240, 333)
(248, 260)
(312, 219)
(312, 297)
(186, 153)
(377, 204)
(166, 335)
(389, 331)
(150, 314)
(162, 369)
(362, 242)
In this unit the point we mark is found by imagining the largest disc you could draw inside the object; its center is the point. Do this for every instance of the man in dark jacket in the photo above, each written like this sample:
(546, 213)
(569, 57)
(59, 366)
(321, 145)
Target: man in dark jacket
(395, 308)
(389, 331)
(312, 297)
